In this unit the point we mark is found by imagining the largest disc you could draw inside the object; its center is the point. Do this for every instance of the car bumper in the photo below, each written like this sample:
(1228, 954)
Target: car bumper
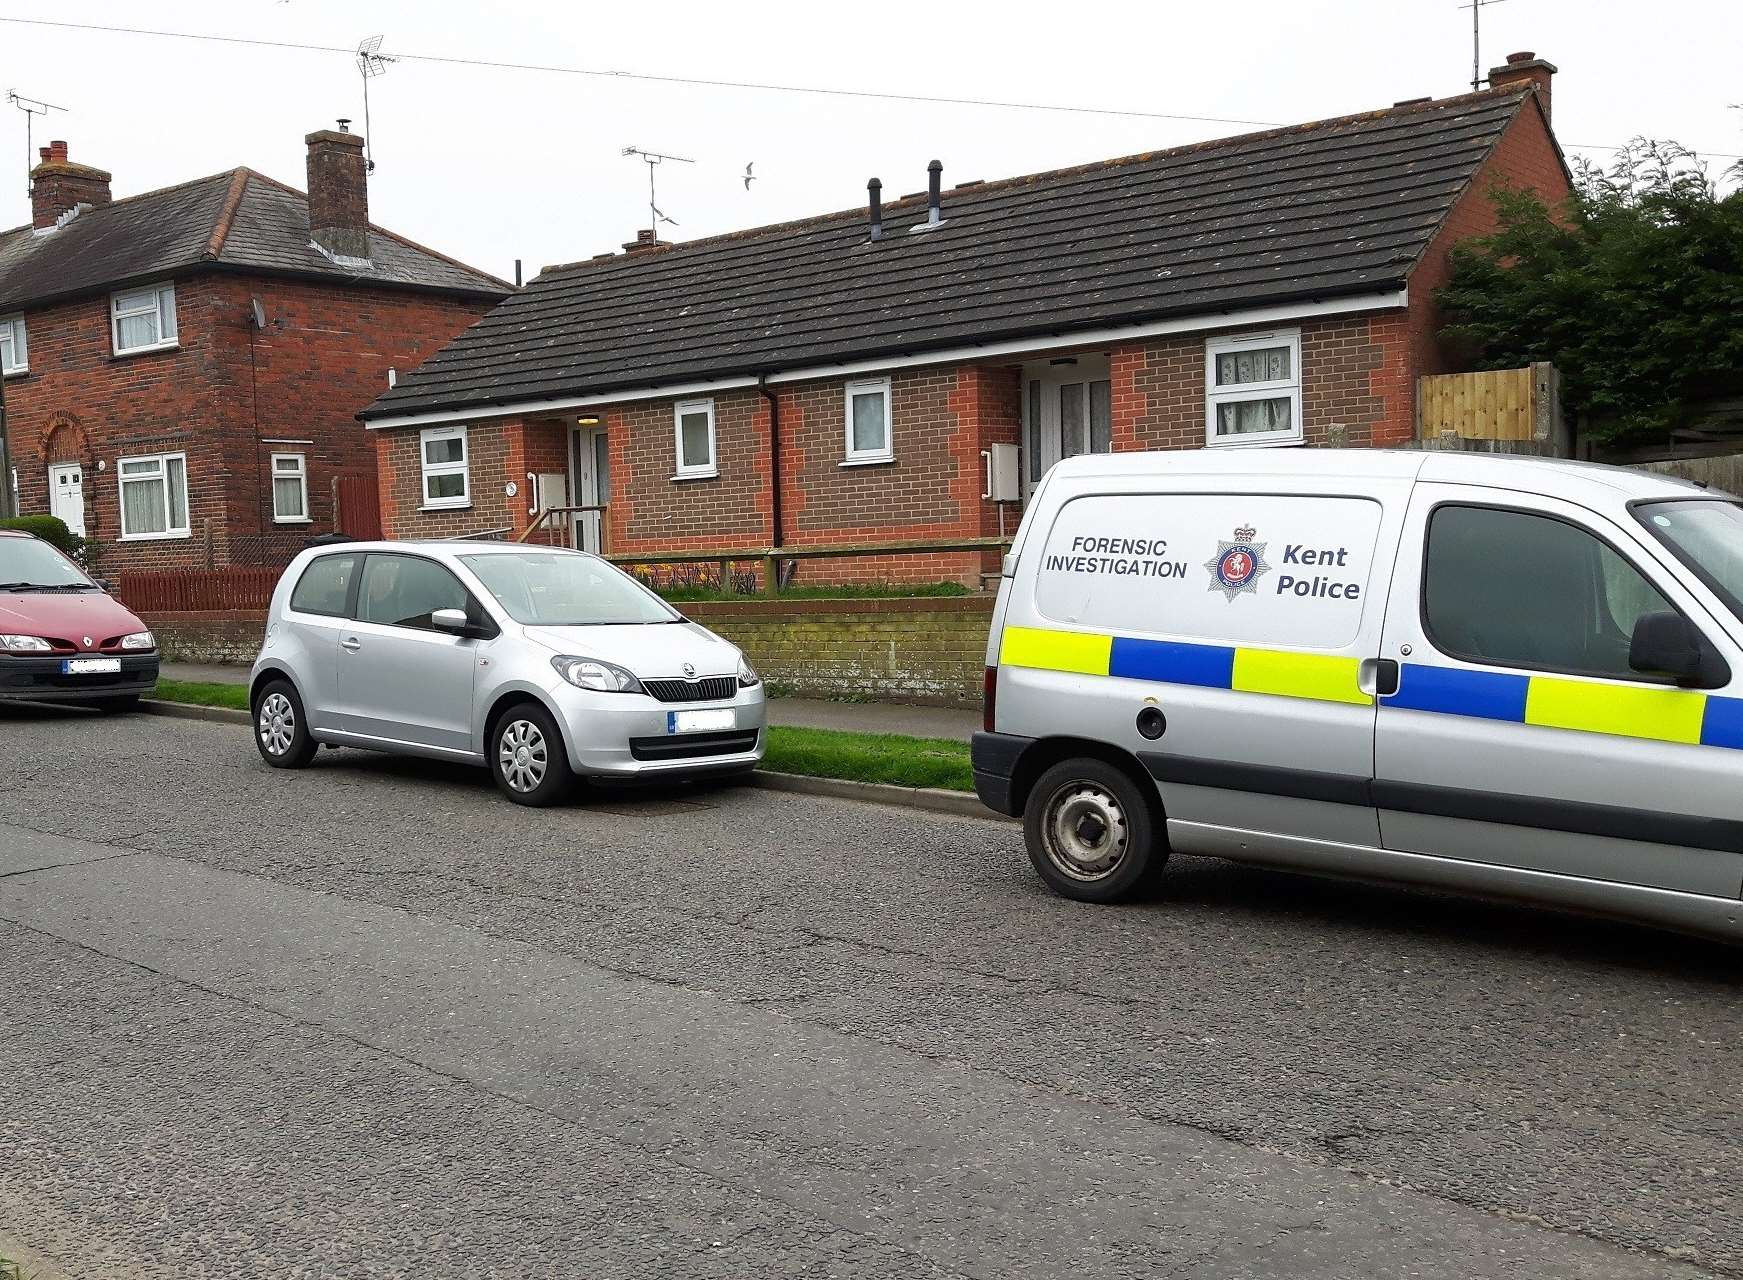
(42, 680)
(625, 737)
(994, 757)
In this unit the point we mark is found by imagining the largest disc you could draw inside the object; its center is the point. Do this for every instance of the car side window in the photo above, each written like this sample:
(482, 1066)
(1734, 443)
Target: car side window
(325, 587)
(1515, 589)
(403, 591)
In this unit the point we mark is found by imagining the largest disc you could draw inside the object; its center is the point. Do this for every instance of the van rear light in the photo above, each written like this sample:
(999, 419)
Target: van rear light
(989, 697)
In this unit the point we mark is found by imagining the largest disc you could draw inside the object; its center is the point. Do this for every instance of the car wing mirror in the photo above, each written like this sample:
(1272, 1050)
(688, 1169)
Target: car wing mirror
(1666, 643)
(453, 621)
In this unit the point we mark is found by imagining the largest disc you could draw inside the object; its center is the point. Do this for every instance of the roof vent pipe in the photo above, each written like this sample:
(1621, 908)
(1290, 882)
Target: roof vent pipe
(934, 200)
(875, 195)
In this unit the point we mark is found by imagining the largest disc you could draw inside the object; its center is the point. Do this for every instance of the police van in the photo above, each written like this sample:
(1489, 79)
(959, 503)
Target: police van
(1508, 676)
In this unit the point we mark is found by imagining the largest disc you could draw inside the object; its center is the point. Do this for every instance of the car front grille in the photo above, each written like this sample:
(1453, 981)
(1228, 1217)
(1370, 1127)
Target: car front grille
(707, 689)
(693, 746)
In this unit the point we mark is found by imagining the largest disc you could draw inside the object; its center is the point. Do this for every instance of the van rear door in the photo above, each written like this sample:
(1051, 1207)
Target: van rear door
(1519, 735)
(1251, 619)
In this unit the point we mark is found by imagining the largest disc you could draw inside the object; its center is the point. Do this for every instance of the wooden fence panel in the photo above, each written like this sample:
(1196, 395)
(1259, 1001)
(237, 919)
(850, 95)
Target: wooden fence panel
(198, 590)
(1495, 404)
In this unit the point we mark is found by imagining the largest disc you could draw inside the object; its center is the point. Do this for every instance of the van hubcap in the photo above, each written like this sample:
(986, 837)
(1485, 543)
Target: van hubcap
(278, 724)
(521, 755)
(1085, 831)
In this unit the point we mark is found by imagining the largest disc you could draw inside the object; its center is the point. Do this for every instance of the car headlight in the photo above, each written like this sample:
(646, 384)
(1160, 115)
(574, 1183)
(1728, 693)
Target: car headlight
(24, 644)
(591, 673)
(747, 675)
(138, 641)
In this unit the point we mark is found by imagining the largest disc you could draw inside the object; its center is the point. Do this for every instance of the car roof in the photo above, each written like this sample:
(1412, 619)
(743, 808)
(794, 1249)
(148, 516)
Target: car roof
(1556, 476)
(454, 546)
(16, 533)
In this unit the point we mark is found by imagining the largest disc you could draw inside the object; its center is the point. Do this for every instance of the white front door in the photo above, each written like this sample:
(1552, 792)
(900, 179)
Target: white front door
(66, 495)
(1067, 410)
(590, 464)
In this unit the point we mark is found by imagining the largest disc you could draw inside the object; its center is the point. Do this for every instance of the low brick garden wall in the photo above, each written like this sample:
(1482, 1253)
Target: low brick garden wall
(920, 650)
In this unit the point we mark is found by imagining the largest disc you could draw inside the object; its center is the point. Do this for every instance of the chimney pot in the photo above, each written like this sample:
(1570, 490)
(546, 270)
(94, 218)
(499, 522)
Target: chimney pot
(934, 198)
(338, 193)
(58, 186)
(875, 197)
(1525, 68)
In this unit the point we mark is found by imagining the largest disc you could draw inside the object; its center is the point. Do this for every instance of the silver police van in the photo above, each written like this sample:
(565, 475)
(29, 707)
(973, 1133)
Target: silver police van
(1508, 676)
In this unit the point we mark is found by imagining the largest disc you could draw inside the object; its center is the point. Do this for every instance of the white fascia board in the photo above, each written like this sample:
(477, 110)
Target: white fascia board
(1390, 300)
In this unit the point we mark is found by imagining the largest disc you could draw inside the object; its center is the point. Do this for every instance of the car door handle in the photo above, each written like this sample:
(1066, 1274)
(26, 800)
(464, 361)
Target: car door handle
(1377, 677)
(351, 644)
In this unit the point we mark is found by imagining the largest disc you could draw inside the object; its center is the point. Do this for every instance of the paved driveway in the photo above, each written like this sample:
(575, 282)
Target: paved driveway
(371, 1020)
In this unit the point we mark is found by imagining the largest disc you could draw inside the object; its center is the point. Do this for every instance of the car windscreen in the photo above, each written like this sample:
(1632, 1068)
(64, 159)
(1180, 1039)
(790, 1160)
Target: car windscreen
(564, 589)
(1705, 534)
(29, 564)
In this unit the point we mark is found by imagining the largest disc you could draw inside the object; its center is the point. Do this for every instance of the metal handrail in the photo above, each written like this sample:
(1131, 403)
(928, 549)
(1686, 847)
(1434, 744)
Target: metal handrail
(483, 534)
(770, 557)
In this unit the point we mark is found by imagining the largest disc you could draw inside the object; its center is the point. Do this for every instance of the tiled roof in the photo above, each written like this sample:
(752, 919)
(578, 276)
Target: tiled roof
(1320, 211)
(240, 220)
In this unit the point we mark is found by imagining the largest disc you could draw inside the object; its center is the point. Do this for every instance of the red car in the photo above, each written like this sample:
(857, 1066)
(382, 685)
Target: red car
(62, 637)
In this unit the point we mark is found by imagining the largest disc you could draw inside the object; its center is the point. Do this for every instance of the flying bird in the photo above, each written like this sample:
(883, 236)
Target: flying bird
(749, 177)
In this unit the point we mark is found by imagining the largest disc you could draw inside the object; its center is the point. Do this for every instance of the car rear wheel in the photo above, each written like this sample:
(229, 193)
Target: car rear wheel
(281, 730)
(527, 757)
(1091, 832)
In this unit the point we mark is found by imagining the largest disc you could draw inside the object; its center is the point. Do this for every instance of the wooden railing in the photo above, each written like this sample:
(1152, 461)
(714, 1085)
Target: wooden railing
(197, 590)
(545, 516)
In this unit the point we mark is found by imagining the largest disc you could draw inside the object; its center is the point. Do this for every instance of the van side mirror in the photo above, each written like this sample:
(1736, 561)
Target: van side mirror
(451, 620)
(1666, 644)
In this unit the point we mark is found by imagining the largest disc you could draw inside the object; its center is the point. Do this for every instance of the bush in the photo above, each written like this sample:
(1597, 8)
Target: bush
(53, 530)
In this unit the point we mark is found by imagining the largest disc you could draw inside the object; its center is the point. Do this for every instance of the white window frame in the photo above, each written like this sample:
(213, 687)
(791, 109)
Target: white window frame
(14, 340)
(462, 468)
(852, 457)
(694, 471)
(163, 306)
(171, 529)
(1275, 389)
(299, 473)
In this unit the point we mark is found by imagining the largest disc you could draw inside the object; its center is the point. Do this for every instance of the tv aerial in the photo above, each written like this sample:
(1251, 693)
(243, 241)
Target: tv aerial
(371, 62)
(654, 160)
(32, 107)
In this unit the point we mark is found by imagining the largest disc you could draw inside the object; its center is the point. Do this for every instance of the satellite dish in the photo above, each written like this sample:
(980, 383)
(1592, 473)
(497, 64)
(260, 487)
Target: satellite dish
(259, 313)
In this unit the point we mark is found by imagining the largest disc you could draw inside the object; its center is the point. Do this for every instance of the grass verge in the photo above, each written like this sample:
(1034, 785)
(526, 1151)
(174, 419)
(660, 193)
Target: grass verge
(816, 753)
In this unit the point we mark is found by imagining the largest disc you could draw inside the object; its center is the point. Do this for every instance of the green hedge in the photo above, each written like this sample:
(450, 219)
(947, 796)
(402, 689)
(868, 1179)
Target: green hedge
(52, 530)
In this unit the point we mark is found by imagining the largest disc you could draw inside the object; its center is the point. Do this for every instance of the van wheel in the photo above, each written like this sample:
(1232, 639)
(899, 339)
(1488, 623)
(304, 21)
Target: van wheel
(527, 757)
(281, 729)
(1091, 831)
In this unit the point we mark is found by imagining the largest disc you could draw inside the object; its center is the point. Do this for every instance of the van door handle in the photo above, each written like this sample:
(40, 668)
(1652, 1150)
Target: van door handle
(1377, 677)
(351, 644)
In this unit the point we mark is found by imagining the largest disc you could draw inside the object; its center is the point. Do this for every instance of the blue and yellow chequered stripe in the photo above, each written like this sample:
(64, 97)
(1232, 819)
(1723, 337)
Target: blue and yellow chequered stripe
(1659, 714)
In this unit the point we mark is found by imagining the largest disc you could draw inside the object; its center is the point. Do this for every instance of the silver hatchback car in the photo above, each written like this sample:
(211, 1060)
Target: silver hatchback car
(545, 665)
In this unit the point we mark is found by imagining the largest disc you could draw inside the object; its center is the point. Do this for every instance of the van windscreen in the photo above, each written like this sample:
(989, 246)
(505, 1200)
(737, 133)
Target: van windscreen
(1706, 534)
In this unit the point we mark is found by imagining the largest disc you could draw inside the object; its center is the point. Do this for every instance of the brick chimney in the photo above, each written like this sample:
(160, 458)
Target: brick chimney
(338, 193)
(646, 242)
(57, 185)
(1525, 68)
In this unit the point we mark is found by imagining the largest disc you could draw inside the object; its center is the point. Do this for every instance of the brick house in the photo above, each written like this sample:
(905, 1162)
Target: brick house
(183, 368)
(848, 378)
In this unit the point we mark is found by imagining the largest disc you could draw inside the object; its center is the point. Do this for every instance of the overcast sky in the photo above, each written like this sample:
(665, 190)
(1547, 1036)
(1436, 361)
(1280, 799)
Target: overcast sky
(490, 165)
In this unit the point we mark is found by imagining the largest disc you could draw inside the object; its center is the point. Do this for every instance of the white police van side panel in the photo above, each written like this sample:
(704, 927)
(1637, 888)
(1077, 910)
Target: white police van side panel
(1251, 620)
(1519, 734)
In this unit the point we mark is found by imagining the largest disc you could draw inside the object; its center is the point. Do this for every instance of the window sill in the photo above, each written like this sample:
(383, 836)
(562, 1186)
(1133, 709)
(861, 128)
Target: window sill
(17, 373)
(882, 460)
(447, 506)
(711, 474)
(155, 537)
(145, 351)
(292, 520)
(1265, 441)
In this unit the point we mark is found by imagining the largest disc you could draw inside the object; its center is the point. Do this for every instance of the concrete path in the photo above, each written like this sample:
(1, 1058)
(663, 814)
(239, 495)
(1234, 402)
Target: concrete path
(809, 713)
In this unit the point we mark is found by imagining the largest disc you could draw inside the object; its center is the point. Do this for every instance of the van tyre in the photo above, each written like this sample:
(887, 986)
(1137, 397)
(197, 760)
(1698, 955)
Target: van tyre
(527, 757)
(1092, 832)
(281, 729)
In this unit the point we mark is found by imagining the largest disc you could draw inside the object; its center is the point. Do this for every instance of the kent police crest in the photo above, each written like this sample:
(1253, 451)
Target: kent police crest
(1237, 566)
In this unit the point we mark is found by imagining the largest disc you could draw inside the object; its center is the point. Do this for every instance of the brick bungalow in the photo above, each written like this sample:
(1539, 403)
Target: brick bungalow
(844, 378)
(183, 368)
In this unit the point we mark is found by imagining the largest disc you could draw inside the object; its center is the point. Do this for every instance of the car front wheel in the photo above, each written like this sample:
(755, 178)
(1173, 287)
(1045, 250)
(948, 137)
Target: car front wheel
(281, 730)
(1091, 832)
(527, 757)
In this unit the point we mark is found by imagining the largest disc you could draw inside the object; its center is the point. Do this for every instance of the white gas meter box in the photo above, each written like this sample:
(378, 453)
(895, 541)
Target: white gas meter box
(1003, 473)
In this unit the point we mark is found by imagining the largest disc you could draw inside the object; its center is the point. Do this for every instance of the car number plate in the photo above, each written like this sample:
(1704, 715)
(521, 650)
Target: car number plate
(90, 666)
(699, 721)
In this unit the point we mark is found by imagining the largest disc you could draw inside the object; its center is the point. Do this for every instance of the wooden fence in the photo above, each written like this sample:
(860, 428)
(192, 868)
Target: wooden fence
(1509, 405)
(198, 590)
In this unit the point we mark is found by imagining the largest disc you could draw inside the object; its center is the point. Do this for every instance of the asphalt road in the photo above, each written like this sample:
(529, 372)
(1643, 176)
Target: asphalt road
(371, 1020)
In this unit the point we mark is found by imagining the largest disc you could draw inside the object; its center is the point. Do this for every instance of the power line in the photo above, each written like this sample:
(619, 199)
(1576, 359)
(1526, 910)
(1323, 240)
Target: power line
(758, 86)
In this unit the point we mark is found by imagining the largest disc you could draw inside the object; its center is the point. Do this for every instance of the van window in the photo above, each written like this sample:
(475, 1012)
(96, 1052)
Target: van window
(325, 586)
(1289, 572)
(1514, 589)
